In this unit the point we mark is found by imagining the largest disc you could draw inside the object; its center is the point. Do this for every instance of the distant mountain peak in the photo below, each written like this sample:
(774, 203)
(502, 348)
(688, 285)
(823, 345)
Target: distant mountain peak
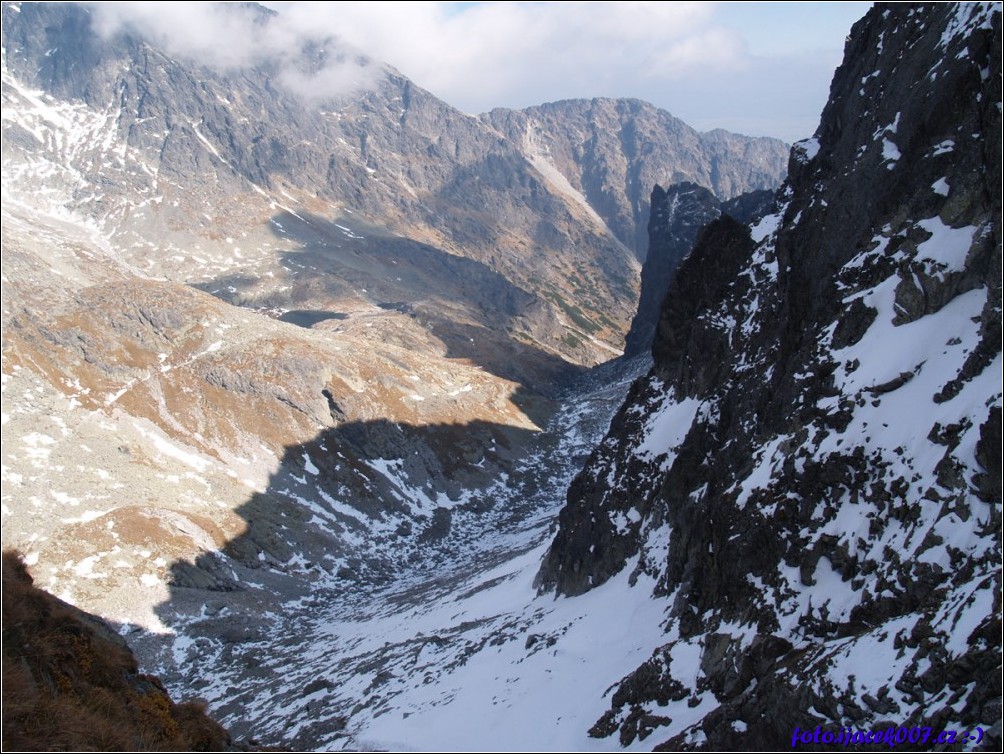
(613, 151)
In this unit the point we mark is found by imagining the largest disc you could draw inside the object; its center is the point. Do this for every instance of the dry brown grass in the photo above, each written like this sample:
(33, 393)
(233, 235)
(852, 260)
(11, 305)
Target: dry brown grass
(70, 684)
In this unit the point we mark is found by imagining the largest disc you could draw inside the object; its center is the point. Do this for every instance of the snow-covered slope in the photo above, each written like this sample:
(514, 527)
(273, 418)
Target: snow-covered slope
(811, 471)
(457, 652)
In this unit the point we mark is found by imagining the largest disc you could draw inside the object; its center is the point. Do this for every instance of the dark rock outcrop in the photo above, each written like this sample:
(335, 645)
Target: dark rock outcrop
(750, 207)
(677, 215)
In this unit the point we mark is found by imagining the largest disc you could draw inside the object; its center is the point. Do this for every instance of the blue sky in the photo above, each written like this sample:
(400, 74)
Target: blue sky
(755, 68)
(783, 83)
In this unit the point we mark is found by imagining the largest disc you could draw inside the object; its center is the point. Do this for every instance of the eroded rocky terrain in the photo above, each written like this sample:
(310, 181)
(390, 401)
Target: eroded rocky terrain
(806, 474)
(295, 388)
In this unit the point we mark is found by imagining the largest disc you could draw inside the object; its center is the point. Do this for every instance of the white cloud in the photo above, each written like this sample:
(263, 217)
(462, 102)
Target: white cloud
(490, 54)
(226, 36)
(694, 59)
(477, 56)
(213, 33)
(716, 48)
(340, 75)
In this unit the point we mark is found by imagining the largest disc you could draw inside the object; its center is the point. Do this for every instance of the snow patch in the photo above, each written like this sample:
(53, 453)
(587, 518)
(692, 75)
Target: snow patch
(667, 428)
(806, 150)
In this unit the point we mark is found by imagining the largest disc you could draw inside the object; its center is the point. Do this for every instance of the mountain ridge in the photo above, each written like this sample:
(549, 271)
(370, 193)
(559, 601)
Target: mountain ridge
(293, 448)
(614, 150)
(165, 220)
(401, 157)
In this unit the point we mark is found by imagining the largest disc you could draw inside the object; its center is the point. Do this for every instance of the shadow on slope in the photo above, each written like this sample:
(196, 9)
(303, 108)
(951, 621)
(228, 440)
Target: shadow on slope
(366, 521)
(362, 507)
(363, 502)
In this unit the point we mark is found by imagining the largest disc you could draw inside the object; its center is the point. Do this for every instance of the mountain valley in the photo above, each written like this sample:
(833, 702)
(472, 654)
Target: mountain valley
(320, 401)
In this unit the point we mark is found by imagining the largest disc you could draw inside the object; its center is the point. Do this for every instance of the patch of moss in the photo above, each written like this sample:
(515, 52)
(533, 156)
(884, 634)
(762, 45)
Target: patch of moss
(70, 683)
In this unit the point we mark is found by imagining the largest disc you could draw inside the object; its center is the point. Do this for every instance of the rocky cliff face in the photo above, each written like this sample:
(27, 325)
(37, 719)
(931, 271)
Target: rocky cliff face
(806, 471)
(612, 151)
(206, 175)
(678, 214)
(160, 146)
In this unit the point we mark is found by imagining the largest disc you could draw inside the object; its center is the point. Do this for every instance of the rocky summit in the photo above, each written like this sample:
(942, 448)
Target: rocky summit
(612, 151)
(317, 394)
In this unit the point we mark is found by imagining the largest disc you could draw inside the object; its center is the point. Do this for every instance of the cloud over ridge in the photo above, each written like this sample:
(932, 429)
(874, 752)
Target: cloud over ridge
(738, 66)
(232, 36)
